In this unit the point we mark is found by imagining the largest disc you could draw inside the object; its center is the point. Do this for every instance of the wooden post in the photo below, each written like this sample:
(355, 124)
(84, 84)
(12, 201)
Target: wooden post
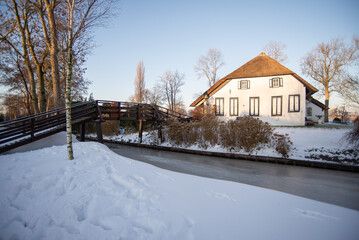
(138, 112)
(82, 132)
(159, 132)
(119, 111)
(99, 131)
(140, 129)
(32, 128)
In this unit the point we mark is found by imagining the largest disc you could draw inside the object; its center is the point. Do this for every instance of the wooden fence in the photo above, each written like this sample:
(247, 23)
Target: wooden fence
(24, 130)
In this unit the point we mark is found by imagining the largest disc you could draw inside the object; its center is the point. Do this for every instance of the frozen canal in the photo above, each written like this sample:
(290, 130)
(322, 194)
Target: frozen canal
(330, 186)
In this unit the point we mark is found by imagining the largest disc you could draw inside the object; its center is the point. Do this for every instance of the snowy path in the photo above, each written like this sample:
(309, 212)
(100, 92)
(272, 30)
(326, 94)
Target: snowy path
(335, 187)
(101, 195)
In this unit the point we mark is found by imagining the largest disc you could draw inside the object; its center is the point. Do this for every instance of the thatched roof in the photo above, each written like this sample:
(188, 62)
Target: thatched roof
(260, 66)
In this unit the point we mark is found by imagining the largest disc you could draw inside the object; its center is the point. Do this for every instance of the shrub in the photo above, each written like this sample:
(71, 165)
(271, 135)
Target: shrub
(181, 134)
(207, 131)
(110, 127)
(282, 144)
(198, 113)
(248, 133)
(337, 120)
(353, 136)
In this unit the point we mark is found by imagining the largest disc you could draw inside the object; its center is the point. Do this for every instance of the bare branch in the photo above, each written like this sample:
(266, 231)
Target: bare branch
(208, 65)
(275, 50)
(325, 64)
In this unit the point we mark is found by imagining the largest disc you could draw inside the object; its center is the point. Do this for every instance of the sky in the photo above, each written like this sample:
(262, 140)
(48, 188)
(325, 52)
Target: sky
(172, 35)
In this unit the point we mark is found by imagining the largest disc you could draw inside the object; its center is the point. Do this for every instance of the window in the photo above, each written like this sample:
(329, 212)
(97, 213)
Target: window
(254, 106)
(244, 84)
(233, 106)
(219, 106)
(294, 103)
(309, 111)
(277, 106)
(276, 82)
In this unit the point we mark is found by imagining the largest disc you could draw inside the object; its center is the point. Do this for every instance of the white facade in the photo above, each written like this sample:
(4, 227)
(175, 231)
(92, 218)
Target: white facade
(314, 112)
(281, 104)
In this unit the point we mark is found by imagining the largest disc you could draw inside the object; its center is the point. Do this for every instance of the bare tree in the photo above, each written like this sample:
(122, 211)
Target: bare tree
(47, 15)
(275, 50)
(208, 65)
(154, 96)
(326, 63)
(22, 13)
(349, 89)
(170, 84)
(339, 111)
(140, 87)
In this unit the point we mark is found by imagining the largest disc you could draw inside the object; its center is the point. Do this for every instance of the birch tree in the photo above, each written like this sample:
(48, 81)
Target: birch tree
(208, 65)
(82, 15)
(275, 50)
(326, 63)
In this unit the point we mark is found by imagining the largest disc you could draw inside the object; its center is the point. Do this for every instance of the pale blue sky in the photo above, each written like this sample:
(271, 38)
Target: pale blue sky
(172, 35)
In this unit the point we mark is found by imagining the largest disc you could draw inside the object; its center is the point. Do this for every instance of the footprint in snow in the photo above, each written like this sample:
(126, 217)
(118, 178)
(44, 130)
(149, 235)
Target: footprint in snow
(163, 176)
(312, 214)
(221, 196)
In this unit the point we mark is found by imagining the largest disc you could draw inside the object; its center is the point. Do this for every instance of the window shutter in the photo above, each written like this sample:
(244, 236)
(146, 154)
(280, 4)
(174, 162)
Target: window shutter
(270, 83)
(281, 82)
(248, 84)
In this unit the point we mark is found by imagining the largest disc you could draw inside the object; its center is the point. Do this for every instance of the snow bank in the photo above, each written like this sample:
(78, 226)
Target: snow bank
(308, 144)
(101, 195)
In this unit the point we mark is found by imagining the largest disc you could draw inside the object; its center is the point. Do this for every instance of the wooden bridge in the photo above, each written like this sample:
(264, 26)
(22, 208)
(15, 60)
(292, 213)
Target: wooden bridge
(21, 131)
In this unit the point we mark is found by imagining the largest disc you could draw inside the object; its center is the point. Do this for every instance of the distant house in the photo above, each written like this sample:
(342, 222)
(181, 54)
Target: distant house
(265, 89)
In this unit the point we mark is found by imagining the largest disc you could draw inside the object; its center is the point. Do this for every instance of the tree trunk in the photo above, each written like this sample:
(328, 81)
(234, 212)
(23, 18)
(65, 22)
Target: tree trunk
(68, 84)
(53, 49)
(68, 104)
(326, 111)
(42, 96)
(26, 58)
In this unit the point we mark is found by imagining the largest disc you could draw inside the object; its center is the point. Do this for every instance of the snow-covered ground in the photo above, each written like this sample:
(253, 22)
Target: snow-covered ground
(101, 195)
(315, 144)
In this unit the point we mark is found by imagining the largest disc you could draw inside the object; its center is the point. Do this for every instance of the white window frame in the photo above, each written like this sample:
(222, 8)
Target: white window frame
(294, 103)
(254, 106)
(277, 102)
(233, 106)
(244, 84)
(276, 82)
(219, 103)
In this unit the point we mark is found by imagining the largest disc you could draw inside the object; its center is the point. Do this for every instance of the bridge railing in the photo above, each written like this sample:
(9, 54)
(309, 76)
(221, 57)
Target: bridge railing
(112, 110)
(28, 128)
(167, 113)
(23, 130)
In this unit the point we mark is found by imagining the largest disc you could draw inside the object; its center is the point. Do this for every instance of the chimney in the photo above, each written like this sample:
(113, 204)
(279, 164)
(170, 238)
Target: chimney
(262, 54)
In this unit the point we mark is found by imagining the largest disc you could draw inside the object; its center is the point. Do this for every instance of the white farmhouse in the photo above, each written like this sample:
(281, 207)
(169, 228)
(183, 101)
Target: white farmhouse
(265, 89)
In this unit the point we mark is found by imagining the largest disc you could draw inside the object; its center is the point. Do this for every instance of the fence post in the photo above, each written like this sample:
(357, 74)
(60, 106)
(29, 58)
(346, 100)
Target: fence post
(119, 111)
(32, 128)
(82, 132)
(99, 131)
(159, 133)
(140, 129)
